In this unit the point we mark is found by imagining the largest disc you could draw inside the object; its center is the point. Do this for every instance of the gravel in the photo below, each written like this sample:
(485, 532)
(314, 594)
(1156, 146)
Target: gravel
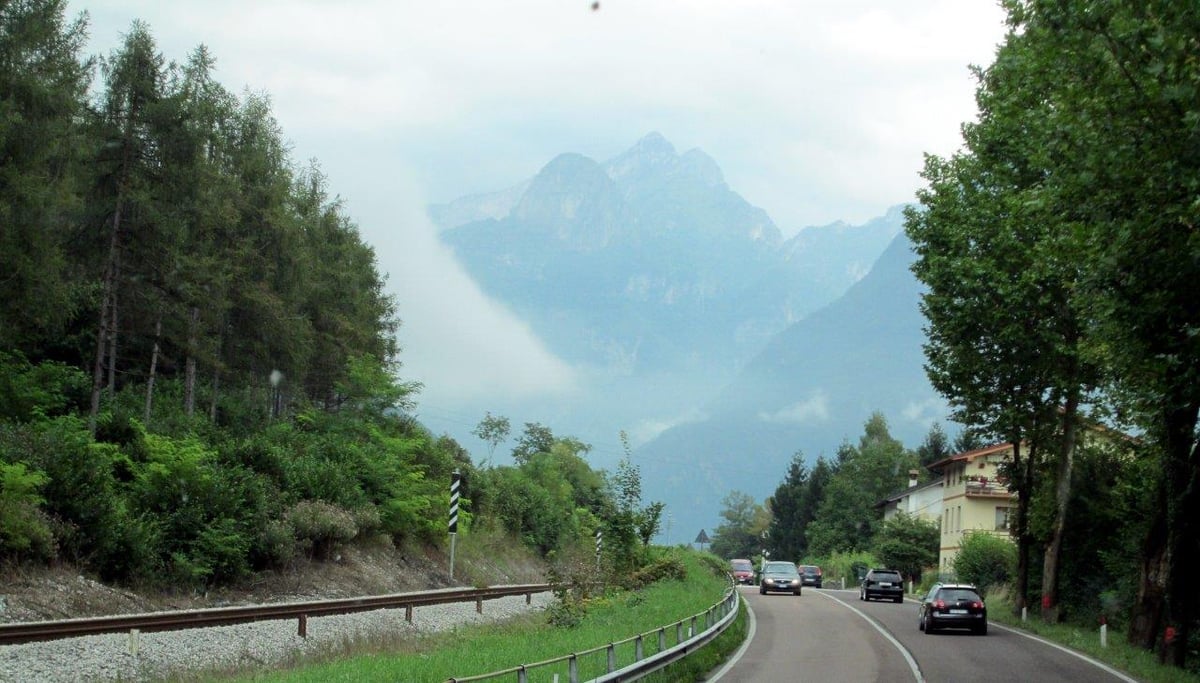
(264, 644)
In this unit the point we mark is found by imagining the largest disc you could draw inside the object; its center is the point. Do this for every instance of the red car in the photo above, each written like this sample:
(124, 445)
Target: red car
(742, 571)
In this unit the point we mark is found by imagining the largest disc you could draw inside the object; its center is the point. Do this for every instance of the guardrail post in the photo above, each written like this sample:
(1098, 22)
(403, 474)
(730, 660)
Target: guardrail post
(522, 677)
(637, 649)
(678, 632)
(662, 639)
(529, 598)
(302, 626)
(133, 641)
(692, 630)
(573, 669)
(612, 658)
(408, 613)
(479, 606)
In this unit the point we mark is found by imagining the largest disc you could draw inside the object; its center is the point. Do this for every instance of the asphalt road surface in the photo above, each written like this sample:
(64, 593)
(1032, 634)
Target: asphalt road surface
(830, 635)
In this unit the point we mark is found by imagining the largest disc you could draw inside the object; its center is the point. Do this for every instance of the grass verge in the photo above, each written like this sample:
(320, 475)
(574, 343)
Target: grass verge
(1133, 661)
(472, 650)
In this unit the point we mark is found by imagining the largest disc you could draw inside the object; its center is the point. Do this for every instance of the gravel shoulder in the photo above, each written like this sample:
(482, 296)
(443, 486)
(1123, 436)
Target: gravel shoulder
(59, 593)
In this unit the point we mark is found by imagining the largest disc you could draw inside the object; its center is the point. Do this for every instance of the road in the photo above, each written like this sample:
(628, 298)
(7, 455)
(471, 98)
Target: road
(829, 635)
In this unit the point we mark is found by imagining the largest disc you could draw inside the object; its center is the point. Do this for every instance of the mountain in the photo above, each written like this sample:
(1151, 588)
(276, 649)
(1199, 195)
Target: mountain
(649, 263)
(811, 388)
(719, 345)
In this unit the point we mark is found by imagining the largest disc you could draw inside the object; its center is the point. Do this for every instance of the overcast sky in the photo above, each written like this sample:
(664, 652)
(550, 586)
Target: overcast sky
(816, 110)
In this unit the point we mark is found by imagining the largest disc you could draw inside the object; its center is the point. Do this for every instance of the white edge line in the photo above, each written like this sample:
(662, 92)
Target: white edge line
(912, 663)
(751, 624)
(1094, 662)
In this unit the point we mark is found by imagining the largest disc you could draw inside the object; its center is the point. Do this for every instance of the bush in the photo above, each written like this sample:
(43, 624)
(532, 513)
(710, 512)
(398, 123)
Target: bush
(985, 560)
(658, 570)
(24, 529)
(320, 527)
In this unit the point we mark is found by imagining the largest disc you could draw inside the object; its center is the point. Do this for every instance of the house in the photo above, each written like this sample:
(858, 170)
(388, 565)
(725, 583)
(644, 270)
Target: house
(975, 498)
(922, 502)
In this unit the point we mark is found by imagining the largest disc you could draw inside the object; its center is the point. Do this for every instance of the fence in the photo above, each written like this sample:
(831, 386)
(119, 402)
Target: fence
(629, 659)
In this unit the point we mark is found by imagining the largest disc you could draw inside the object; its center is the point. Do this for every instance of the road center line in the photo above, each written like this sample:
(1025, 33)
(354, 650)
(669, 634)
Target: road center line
(912, 663)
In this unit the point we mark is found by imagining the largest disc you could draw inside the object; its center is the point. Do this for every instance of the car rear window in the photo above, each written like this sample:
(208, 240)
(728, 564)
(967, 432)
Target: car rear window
(885, 576)
(956, 594)
(742, 565)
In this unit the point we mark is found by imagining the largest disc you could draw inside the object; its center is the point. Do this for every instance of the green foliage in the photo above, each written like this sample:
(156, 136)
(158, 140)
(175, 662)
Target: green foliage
(849, 566)
(907, 544)
(320, 527)
(847, 518)
(985, 560)
(29, 391)
(24, 529)
(661, 569)
(740, 535)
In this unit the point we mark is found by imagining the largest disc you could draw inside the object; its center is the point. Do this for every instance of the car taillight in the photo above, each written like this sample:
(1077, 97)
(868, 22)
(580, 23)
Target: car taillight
(939, 605)
(976, 605)
(818, 571)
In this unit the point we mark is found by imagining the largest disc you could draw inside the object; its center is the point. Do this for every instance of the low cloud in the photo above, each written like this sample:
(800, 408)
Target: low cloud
(814, 409)
(462, 345)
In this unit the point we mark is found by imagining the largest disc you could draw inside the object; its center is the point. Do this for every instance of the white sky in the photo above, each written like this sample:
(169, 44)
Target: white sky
(816, 110)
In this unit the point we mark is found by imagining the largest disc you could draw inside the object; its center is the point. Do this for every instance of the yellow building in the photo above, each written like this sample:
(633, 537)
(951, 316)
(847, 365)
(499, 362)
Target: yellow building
(974, 498)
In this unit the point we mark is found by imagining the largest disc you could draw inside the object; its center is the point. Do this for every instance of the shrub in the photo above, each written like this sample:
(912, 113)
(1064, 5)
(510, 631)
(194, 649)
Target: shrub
(985, 560)
(24, 529)
(658, 570)
(320, 527)
(276, 547)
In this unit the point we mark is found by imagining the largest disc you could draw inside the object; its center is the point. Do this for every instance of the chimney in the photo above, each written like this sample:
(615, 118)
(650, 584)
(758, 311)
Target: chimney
(912, 478)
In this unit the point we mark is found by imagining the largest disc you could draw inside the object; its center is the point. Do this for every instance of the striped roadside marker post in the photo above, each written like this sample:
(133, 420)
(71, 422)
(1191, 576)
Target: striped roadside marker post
(599, 544)
(455, 482)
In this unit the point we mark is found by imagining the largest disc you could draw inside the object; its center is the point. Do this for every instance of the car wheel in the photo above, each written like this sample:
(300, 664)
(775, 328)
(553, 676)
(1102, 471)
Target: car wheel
(862, 596)
(928, 625)
(981, 630)
(797, 592)
(920, 623)
(899, 598)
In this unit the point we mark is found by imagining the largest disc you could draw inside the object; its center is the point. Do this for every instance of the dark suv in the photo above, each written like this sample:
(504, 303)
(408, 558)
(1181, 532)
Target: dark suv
(810, 575)
(952, 605)
(882, 583)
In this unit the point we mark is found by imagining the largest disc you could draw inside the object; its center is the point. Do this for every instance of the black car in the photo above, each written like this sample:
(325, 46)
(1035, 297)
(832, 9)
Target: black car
(779, 576)
(810, 575)
(882, 583)
(952, 605)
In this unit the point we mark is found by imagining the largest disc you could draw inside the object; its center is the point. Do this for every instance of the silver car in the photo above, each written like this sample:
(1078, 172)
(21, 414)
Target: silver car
(781, 577)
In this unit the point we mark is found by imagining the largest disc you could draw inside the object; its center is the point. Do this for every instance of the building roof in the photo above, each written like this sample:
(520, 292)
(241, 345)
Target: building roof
(968, 456)
(907, 492)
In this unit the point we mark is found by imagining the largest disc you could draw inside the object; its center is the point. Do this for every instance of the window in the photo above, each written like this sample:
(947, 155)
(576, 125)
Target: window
(1003, 515)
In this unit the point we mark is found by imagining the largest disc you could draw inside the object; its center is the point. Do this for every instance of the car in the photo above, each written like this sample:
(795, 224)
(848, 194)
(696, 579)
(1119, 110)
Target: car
(810, 575)
(780, 576)
(882, 583)
(952, 605)
(742, 571)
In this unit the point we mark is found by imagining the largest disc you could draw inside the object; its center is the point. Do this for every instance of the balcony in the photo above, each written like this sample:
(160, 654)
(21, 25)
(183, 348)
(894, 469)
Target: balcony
(985, 487)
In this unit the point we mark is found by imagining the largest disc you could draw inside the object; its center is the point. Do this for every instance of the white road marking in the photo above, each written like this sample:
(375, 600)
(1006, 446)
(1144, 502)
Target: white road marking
(912, 663)
(1089, 660)
(750, 629)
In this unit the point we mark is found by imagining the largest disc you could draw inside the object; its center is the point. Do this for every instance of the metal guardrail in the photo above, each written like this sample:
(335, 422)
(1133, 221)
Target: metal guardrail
(24, 632)
(578, 664)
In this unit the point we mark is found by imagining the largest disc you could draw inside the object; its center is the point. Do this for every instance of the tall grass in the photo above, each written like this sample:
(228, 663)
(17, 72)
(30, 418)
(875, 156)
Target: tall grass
(472, 650)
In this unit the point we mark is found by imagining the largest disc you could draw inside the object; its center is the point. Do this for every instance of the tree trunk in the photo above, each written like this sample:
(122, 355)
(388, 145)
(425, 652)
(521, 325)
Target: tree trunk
(102, 332)
(111, 382)
(1022, 470)
(189, 388)
(153, 371)
(1146, 615)
(1183, 546)
(1062, 498)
